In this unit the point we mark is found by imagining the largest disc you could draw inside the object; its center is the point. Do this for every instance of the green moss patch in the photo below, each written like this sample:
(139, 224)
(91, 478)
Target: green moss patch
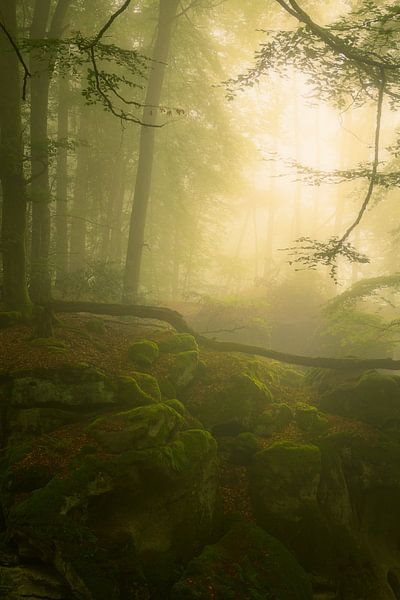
(143, 352)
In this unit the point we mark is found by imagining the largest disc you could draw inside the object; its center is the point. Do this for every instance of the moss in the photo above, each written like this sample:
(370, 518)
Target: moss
(96, 326)
(246, 563)
(274, 418)
(374, 398)
(178, 342)
(184, 368)
(129, 392)
(244, 448)
(149, 384)
(310, 419)
(138, 428)
(36, 421)
(10, 318)
(143, 352)
(34, 391)
(239, 401)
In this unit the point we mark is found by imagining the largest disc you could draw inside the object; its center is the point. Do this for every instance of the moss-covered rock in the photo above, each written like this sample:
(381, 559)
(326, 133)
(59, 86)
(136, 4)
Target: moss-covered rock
(284, 480)
(245, 563)
(130, 393)
(238, 402)
(8, 318)
(137, 428)
(156, 491)
(184, 368)
(26, 582)
(244, 448)
(310, 419)
(373, 397)
(274, 418)
(149, 384)
(32, 422)
(143, 352)
(29, 392)
(178, 342)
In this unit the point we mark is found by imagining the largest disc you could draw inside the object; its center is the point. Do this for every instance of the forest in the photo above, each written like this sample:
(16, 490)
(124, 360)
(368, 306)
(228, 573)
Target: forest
(199, 300)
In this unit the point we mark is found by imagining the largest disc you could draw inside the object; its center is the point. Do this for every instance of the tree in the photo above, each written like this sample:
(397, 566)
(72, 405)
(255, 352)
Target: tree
(15, 292)
(167, 13)
(42, 60)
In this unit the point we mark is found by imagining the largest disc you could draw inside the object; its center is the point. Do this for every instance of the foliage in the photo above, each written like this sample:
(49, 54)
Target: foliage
(97, 281)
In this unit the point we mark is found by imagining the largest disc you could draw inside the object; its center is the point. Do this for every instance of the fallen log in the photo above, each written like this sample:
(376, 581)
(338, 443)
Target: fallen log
(176, 320)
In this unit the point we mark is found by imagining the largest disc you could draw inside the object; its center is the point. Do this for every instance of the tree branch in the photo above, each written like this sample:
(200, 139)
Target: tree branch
(27, 73)
(177, 321)
(334, 42)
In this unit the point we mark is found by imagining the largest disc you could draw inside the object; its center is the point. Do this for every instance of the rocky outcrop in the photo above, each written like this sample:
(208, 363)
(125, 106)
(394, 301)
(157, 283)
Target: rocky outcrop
(245, 563)
(111, 505)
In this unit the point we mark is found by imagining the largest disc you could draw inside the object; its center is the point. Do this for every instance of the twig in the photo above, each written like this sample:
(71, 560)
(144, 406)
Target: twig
(375, 163)
(20, 58)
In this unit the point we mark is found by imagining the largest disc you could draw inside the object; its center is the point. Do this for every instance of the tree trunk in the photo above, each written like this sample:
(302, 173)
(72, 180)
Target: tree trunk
(80, 201)
(62, 181)
(167, 13)
(15, 292)
(41, 66)
(177, 321)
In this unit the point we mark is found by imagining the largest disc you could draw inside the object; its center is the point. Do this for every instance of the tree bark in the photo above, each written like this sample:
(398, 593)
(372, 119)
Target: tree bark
(41, 66)
(80, 206)
(15, 292)
(167, 13)
(177, 321)
(62, 181)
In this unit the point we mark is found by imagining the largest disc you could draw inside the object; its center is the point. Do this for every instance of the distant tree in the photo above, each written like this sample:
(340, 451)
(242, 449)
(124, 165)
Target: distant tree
(15, 292)
(167, 13)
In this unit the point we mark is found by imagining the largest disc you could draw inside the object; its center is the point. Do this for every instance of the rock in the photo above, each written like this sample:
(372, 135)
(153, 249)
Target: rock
(128, 512)
(244, 448)
(9, 318)
(143, 352)
(274, 418)
(178, 342)
(246, 563)
(184, 369)
(310, 419)
(239, 401)
(373, 398)
(284, 480)
(31, 422)
(137, 428)
(30, 392)
(28, 583)
(149, 385)
(130, 393)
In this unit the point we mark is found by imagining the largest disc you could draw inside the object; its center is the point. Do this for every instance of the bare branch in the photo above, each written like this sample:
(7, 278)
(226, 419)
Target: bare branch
(110, 22)
(27, 73)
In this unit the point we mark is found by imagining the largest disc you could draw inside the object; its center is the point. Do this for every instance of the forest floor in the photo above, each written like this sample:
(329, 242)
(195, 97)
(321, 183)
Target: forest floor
(104, 344)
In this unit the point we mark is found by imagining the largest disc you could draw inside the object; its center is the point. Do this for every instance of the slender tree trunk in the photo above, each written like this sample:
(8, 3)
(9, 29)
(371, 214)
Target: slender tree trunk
(80, 201)
(167, 13)
(116, 233)
(62, 181)
(15, 292)
(41, 65)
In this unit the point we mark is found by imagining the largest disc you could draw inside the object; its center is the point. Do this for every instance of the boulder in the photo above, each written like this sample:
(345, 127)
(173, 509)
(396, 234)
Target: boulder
(178, 342)
(128, 503)
(143, 352)
(374, 398)
(246, 563)
(238, 402)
